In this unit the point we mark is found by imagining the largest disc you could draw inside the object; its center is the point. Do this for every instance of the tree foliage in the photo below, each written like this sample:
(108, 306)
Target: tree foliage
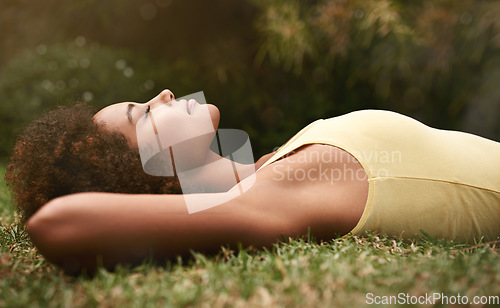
(436, 60)
(271, 66)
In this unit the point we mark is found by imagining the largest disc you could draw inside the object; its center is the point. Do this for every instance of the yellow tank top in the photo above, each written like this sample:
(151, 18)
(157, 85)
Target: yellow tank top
(444, 183)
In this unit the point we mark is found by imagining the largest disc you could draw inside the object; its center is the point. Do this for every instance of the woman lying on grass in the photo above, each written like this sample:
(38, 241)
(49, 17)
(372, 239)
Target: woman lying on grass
(79, 181)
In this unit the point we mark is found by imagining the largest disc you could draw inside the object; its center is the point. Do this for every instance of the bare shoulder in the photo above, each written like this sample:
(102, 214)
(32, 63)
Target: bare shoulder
(317, 186)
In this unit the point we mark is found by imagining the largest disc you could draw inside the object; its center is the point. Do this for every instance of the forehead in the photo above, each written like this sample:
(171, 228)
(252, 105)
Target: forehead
(111, 112)
(114, 118)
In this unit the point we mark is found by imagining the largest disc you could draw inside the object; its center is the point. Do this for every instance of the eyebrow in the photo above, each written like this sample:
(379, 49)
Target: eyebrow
(129, 112)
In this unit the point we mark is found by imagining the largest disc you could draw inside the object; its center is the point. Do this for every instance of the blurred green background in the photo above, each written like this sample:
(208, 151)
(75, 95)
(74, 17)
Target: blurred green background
(271, 66)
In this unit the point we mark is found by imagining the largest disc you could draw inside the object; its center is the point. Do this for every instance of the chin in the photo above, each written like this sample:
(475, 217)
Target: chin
(214, 115)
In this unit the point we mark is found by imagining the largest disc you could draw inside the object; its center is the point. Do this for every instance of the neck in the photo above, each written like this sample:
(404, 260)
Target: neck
(218, 174)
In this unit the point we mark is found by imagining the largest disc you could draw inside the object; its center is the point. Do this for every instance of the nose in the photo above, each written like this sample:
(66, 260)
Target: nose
(164, 97)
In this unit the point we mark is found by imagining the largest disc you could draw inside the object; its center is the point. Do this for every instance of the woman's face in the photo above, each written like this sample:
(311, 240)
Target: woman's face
(164, 122)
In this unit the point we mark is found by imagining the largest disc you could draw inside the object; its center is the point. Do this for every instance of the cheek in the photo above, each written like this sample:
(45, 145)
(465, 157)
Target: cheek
(175, 126)
(189, 136)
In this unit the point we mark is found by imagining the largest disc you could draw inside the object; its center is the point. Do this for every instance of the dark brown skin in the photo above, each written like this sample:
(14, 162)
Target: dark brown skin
(77, 230)
(79, 182)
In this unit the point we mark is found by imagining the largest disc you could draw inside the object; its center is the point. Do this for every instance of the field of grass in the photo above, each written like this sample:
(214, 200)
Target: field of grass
(348, 272)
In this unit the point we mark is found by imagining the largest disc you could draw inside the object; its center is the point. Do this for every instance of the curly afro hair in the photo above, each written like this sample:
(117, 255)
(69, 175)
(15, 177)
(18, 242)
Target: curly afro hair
(65, 152)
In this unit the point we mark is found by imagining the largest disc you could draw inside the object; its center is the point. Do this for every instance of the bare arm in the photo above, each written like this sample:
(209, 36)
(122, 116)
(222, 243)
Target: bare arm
(72, 231)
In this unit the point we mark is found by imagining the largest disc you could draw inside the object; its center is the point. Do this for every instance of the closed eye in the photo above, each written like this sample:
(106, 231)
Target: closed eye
(129, 112)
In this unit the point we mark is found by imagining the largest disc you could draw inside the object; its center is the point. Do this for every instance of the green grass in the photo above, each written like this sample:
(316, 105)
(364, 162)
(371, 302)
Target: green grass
(295, 273)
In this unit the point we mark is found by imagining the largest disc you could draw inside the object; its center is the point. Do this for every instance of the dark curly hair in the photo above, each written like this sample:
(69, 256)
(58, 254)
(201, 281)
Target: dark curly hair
(65, 152)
